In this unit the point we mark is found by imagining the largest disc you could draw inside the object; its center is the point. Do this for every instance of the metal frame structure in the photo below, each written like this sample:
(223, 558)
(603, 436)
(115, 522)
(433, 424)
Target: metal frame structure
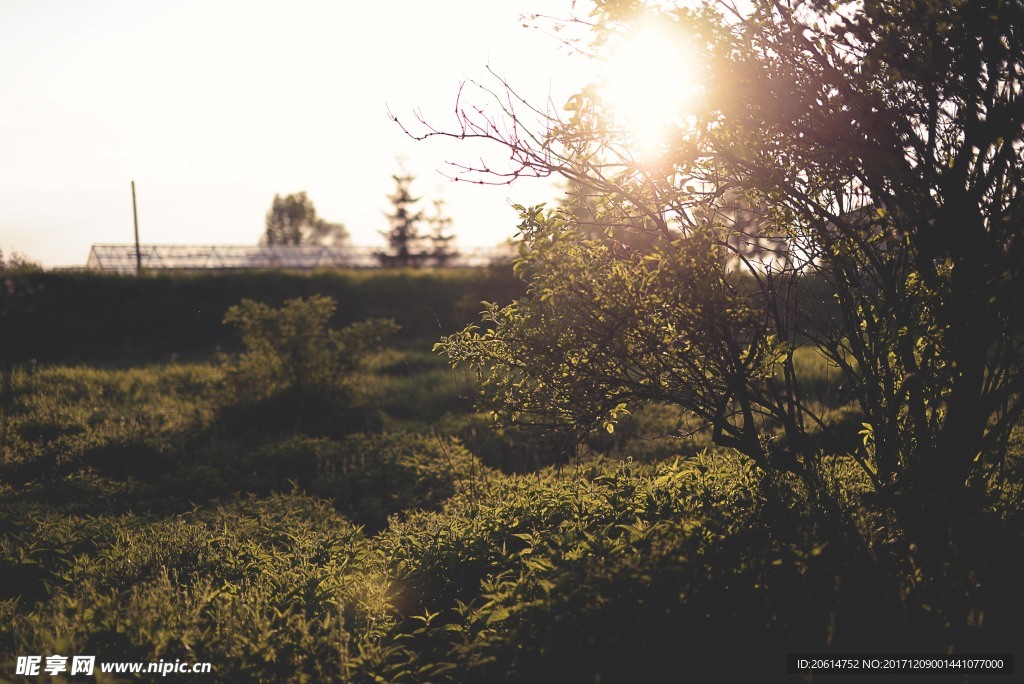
(123, 258)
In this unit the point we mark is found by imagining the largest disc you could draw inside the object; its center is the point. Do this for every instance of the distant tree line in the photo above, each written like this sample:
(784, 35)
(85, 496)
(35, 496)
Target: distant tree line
(293, 220)
(408, 245)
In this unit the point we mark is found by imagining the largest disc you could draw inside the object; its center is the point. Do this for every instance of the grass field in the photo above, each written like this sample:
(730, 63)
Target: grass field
(391, 533)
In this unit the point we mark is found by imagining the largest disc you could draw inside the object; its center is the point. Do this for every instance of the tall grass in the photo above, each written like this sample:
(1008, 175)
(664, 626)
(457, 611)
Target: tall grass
(139, 521)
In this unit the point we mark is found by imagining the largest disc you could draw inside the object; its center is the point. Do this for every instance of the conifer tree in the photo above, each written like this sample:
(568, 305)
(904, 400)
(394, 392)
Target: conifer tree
(441, 250)
(404, 239)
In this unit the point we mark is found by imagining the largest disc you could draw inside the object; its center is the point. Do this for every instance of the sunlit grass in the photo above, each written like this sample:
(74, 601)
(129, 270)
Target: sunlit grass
(138, 524)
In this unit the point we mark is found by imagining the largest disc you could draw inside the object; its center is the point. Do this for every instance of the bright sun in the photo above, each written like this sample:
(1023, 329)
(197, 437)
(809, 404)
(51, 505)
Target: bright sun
(649, 84)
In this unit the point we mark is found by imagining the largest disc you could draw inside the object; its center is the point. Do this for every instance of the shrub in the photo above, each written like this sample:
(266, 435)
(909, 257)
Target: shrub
(292, 347)
(167, 313)
(294, 363)
(685, 570)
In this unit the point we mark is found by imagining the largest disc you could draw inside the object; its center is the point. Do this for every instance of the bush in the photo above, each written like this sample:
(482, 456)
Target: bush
(293, 360)
(292, 347)
(704, 569)
(78, 316)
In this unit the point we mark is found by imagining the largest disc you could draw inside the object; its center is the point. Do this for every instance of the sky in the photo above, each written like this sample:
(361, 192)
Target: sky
(212, 107)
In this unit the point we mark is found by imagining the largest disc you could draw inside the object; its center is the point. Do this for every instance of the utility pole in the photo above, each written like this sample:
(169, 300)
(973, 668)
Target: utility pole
(138, 250)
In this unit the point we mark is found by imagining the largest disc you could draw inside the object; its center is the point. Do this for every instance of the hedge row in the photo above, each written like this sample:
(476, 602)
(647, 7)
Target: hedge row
(96, 317)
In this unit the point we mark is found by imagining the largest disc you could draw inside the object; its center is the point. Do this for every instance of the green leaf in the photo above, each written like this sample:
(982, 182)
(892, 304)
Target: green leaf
(499, 615)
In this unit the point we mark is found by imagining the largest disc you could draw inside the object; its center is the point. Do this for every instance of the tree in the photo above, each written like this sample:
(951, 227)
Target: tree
(440, 237)
(883, 143)
(292, 220)
(404, 237)
(17, 264)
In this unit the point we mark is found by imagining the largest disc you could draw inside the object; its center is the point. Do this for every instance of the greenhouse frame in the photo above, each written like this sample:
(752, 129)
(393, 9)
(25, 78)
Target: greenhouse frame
(124, 258)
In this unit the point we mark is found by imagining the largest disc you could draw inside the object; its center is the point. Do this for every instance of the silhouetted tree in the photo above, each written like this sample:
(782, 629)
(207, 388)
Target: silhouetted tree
(440, 238)
(883, 144)
(404, 239)
(292, 220)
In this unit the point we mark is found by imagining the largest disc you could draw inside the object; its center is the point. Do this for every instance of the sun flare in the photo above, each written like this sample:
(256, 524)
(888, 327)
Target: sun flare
(649, 84)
